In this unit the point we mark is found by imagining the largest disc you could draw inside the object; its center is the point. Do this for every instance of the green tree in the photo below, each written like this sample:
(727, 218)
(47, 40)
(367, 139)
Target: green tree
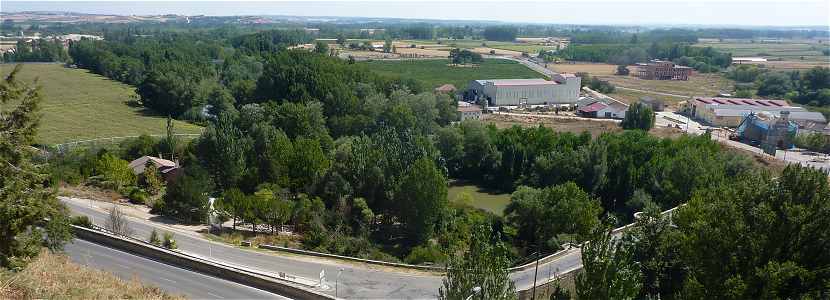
(308, 164)
(116, 171)
(187, 195)
(422, 198)
(321, 48)
(363, 215)
(222, 149)
(234, 203)
(657, 249)
(482, 267)
(170, 143)
(546, 218)
(758, 237)
(31, 215)
(773, 84)
(638, 116)
(609, 270)
(137, 147)
(151, 179)
(623, 70)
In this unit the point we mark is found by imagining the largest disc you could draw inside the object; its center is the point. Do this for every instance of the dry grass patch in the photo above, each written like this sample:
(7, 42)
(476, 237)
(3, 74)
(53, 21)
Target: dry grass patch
(229, 236)
(594, 127)
(54, 276)
(423, 52)
(594, 69)
(486, 50)
(709, 84)
(89, 192)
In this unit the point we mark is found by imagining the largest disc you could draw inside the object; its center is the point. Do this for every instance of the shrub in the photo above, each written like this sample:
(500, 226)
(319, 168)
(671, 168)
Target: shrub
(422, 254)
(138, 196)
(154, 238)
(82, 221)
(169, 242)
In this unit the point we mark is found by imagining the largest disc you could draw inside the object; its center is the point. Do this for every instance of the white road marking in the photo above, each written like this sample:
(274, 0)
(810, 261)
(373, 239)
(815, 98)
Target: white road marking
(167, 279)
(215, 295)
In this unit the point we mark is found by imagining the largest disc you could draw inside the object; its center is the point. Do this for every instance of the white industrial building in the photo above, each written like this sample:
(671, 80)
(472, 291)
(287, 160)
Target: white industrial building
(563, 89)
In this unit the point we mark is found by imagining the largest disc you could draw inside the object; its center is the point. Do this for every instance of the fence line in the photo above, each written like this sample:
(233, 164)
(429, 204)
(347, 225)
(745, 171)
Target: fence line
(114, 138)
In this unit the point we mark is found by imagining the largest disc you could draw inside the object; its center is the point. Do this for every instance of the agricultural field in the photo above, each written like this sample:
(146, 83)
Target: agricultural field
(781, 55)
(480, 198)
(79, 105)
(709, 84)
(594, 69)
(436, 72)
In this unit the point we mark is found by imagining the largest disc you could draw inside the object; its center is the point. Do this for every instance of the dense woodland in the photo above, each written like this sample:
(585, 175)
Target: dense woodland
(359, 164)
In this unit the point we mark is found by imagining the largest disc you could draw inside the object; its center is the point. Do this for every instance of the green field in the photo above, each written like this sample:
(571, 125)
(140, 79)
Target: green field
(780, 55)
(434, 73)
(486, 200)
(782, 50)
(79, 105)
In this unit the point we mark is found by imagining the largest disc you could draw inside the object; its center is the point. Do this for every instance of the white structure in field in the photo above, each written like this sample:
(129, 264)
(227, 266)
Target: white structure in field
(563, 89)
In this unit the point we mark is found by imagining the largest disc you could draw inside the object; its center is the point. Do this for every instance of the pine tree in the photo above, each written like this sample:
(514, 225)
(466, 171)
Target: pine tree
(28, 209)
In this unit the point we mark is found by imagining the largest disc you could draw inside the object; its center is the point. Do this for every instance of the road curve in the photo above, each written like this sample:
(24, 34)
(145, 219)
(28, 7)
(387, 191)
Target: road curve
(171, 279)
(355, 281)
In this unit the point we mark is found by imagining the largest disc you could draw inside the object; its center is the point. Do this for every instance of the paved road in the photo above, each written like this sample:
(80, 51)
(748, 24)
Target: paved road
(356, 281)
(169, 278)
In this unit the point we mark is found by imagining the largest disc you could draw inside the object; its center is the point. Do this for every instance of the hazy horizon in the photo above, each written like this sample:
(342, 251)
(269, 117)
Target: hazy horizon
(704, 13)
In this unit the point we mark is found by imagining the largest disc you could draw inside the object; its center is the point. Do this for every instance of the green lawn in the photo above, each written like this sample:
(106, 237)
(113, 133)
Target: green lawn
(434, 73)
(483, 199)
(79, 105)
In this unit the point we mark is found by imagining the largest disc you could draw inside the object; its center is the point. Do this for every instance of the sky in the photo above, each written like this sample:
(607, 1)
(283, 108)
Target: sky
(614, 12)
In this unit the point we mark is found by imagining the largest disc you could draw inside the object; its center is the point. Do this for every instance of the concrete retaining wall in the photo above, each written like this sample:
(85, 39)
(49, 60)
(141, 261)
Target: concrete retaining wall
(271, 284)
(565, 280)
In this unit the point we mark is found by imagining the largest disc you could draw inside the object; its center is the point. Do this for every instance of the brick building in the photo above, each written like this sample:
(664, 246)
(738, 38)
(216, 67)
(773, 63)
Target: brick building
(663, 70)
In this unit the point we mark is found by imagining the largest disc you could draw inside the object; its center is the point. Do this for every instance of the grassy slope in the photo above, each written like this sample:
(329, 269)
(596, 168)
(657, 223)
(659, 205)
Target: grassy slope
(53, 276)
(80, 105)
(436, 72)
